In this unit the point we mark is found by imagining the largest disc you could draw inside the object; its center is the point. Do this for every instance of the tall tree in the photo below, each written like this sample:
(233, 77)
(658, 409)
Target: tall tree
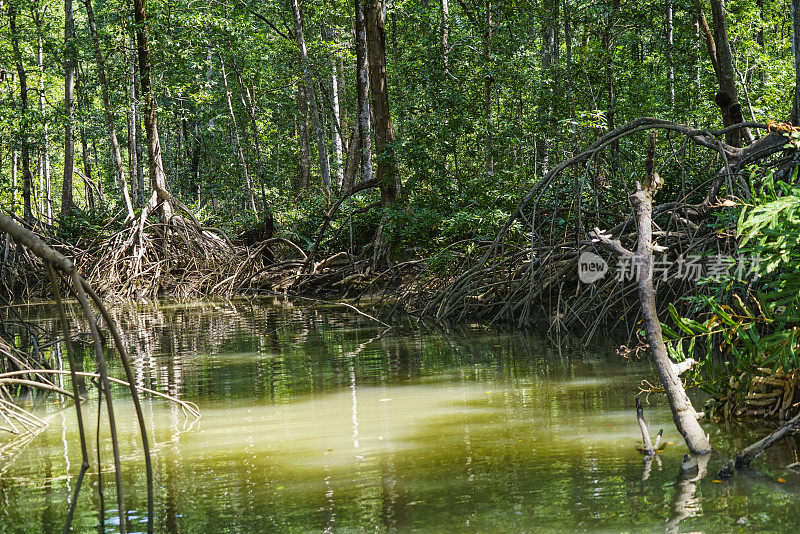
(796, 51)
(135, 130)
(83, 108)
(488, 88)
(445, 4)
(27, 177)
(246, 96)
(322, 149)
(721, 57)
(362, 90)
(237, 141)
(304, 168)
(108, 113)
(158, 179)
(670, 58)
(550, 32)
(388, 175)
(336, 111)
(44, 159)
(70, 60)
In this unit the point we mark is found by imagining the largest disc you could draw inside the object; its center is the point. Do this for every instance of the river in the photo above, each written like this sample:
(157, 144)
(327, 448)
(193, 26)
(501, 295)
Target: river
(315, 419)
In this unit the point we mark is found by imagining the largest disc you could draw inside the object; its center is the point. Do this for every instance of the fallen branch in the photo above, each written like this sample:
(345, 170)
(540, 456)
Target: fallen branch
(648, 448)
(746, 456)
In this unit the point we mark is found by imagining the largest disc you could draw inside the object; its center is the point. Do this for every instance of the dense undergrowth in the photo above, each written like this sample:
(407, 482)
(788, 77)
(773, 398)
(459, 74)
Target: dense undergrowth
(747, 327)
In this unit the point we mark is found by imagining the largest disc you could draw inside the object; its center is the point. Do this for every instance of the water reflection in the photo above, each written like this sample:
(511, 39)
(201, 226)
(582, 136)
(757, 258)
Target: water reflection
(314, 420)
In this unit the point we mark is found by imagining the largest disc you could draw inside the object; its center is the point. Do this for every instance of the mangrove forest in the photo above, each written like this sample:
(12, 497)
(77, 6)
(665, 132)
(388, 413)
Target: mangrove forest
(399, 265)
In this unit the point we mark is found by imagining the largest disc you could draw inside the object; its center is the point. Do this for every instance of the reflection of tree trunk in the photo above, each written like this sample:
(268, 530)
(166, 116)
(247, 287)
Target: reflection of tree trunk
(685, 503)
(172, 484)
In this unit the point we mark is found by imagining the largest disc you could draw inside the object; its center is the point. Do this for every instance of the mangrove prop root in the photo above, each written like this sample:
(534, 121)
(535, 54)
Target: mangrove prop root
(54, 260)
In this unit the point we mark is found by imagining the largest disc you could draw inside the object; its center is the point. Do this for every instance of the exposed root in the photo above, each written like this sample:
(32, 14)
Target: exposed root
(147, 259)
(767, 395)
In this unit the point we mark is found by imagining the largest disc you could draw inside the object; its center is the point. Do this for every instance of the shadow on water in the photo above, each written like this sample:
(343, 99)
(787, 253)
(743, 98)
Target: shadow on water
(315, 420)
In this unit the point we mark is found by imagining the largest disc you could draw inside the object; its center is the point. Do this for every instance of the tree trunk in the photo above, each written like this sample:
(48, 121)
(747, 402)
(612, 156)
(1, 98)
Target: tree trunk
(353, 161)
(14, 178)
(27, 177)
(158, 179)
(568, 59)
(488, 85)
(237, 141)
(83, 110)
(336, 121)
(796, 50)
(135, 131)
(45, 157)
(88, 182)
(388, 175)
(728, 96)
(670, 48)
(67, 203)
(249, 106)
(362, 74)
(322, 149)
(550, 33)
(336, 129)
(122, 182)
(304, 171)
(445, 34)
(719, 51)
(340, 85)
(683, 413)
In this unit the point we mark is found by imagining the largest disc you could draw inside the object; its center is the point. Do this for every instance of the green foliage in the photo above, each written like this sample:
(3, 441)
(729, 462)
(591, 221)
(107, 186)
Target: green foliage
(750, 324)
(611, 64)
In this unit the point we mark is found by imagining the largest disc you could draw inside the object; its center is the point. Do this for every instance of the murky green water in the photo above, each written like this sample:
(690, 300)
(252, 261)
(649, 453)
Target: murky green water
(316, 420)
